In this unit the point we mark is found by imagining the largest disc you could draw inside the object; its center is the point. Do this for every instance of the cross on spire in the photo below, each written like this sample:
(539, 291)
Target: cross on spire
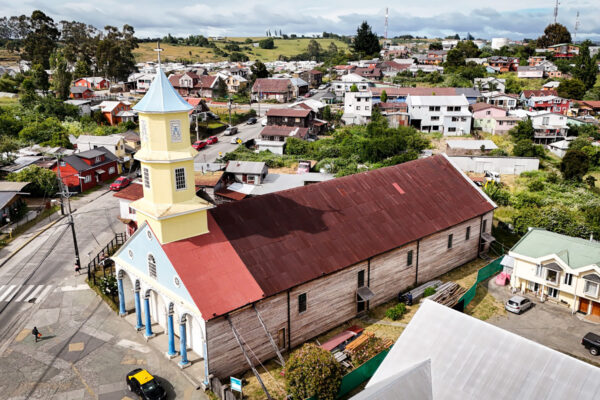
(158, 50)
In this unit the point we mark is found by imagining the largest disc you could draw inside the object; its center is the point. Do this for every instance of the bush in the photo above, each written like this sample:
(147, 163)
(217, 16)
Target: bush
(312, 371)
(536, 186)
(396, 312)
(429, 291)
(267, 43)
(574, 165)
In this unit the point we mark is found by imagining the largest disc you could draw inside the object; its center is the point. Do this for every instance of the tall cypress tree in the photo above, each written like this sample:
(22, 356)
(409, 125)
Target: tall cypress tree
(586, 67)
(366, 43)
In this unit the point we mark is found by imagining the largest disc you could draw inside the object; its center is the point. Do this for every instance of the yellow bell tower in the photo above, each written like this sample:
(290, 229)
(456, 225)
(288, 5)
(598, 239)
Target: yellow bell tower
(170, 205)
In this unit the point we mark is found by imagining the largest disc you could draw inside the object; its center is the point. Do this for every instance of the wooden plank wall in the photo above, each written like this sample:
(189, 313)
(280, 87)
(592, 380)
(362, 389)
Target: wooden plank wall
(331, 300)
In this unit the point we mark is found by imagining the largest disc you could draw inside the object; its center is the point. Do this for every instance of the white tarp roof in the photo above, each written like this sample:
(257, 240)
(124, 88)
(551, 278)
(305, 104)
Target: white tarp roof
(471, 359)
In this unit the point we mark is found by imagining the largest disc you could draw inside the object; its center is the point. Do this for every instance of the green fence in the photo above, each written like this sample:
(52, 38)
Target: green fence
(484, 273)
(355, 378)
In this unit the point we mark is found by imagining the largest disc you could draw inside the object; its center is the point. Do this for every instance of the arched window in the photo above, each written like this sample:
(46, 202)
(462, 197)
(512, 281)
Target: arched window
(151, 266)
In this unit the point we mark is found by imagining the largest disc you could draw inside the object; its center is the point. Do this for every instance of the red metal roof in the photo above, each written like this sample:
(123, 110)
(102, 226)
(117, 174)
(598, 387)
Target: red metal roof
(270, 85)
(294, 236)
(224, 283)
(230, 194)
(539, 93)
(134, 191)
(281, 130)
(288, 112)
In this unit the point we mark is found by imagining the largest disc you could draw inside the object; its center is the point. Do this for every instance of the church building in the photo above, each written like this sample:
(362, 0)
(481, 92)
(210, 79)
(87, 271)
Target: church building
(246, 281)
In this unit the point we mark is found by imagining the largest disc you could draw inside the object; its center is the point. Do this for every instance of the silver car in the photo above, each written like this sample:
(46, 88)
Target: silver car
(518, 304)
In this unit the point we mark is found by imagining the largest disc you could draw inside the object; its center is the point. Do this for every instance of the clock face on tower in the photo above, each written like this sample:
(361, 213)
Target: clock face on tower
(143, 130)
(175, 130)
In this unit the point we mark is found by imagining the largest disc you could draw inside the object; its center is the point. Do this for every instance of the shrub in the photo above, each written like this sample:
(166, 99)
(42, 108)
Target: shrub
(373, 347)
(536, 186)
(429, 291)
(312, 371)
(574, 165)
(396, 312)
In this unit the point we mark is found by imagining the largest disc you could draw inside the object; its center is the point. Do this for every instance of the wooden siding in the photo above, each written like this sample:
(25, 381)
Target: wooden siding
(331, 300)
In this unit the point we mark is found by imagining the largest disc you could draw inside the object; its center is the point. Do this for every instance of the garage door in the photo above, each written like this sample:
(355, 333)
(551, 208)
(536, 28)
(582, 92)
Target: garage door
(595, 308)
(583, 305)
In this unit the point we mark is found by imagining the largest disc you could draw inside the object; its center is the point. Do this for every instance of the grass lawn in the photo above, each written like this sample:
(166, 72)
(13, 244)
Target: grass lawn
(8, 57)
(286, 48)
(7, 101)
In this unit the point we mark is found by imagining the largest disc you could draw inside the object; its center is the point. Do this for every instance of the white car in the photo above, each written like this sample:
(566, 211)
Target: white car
(518, 304)
(236, 140)
(263, 121)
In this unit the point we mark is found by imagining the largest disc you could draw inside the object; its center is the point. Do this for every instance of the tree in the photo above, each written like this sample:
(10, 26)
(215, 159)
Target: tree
(571, 89)
(9, 125)
(43, 181)
(61, 77)
(114, 52)
(586, 67)
(41, 40)
(221, 90)
(436, 46)
(312, 371)
(80, 41)
(574, 165)
(455, 58)
(383, 96)
(27, 96)
(82, 70)
(8, 145)
(314, 49)
(327, 113)
(468, 49)
(40, 78)
(554, 34)
(366, 43)
(332, 49)
(513, 85)
(267, 43)
(523, 130)
(259, 70)
(49, 132)
(591, 181)
(354, 88)
(526, 148)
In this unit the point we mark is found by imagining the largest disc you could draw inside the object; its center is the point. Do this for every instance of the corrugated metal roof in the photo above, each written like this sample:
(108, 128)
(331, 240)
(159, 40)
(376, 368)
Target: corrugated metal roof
(291, 237)
(6, 197)
(6, 186)
(472, 360)
(245, 167)
(162, 97)
(288, 112)
(134, 191)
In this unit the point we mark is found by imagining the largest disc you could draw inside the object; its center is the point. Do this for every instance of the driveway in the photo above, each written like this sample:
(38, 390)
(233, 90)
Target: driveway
(547, 323)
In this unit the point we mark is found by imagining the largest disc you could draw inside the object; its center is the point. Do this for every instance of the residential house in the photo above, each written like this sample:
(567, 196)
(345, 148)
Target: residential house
(113, 143)
(207, 181)
(300, 86)
(358, 107)
(449, 44)
(80, 92)
(484, 115)
(490, 84)
(558, 268)
(549, 127)
(235, 83)
(344, 85)
(84, 170)
(97, 83)
(504, 124)
(11, 201)
(449, 115)
(399, 94)
(298, 117)
(446, 354)
(527, 94)
(550, 69)
(116, 112)
(140, 82)
(469, 147)
(126, 196)
(84, 106)
(344, 69)
(190, 84)
(588, 107)
(369, 73)
(313, 77)
(525, 72)
(395, 112)
(132, 140)
(564, 50)
(392, 68)
(281, 90)
(473, 95)
(274, 137)
(250, 172)
(560, 147)
(503, 64)
(536, 60)
(548, 103)
(504, 100)
(504, 165)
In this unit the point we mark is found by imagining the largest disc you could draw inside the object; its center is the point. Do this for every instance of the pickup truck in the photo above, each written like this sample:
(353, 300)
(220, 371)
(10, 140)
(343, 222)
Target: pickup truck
(591, 341)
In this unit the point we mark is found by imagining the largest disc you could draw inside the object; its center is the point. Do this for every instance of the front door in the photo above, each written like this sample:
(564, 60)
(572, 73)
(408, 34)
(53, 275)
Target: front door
(584, 305)
(595, 309)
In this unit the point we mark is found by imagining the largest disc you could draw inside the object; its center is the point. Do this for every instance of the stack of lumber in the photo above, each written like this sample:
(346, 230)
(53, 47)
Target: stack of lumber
(448, 294)
(357, 343)
(417, 293)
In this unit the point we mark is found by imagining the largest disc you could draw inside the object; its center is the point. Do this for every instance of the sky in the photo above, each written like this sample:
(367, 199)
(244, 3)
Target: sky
(515, 19)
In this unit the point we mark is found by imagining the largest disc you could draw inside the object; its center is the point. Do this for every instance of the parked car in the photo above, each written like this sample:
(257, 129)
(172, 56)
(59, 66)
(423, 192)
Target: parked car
(212, 140)
(199, 144)
(591, 341)
(212, 115)
(236, 140)
(518, 304)
(230, 130)
(323, 87)
(120, 183)
(251, 121)
(263, 121)
(140, 382)
(307, 95)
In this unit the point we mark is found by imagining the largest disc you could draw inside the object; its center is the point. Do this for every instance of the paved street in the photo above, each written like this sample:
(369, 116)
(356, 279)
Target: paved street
(86, 349)
(224, 145)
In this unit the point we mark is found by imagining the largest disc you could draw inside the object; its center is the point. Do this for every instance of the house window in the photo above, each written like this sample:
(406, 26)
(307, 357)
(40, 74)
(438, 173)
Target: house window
(151, 266)
(358, 108)
(552, 276)
(590, 289)
(146, 174)
(553, 292)
(302, 303)
(111, 170)
(450, 236)
(484, 228)
(435, 118)
(468, 234)
(539, 270)
(545, 121)
(87, 179)
(361, 278)
(409, 258)
(180, 178)
(454, 119)
(568, 279)
(131, 210)
(98, 159)
(63, 164)
(488, 113)
(452, 129)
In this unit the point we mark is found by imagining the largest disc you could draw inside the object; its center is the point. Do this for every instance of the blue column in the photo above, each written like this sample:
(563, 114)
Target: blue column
(121, 297)
(148, 321)
(138, 311)
(171, 351)
(182, 346)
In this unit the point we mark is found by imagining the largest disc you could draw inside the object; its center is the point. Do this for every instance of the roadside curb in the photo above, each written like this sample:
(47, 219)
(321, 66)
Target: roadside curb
(44, 229)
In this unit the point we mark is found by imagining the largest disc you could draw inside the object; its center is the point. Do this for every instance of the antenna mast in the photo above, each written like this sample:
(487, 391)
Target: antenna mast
(386, 24)
(576, 27)
(556, 11)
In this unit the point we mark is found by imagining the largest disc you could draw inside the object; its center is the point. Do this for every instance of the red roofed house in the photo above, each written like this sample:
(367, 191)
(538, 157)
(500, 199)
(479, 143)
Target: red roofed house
(116, 111)
(369, 73)
(281, 90)
(80, 92)
(190, 84)
(313, 77)
(265, 268)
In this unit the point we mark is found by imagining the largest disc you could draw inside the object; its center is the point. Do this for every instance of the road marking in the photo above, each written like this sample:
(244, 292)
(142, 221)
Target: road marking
(10, 288)
(34, 293)
(128, 344)
(24, 293)
(75, 288)
(22, 335)
(43, 294)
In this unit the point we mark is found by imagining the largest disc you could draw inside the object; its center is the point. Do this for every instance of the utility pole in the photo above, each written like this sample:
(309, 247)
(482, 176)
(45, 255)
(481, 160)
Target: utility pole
(259, 100)
(65, 194)
(386, 24)
(229, 106)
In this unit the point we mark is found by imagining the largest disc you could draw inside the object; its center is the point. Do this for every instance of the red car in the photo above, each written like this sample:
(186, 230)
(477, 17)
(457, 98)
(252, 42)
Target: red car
(120, 183)
(212, 140)
(200, 144)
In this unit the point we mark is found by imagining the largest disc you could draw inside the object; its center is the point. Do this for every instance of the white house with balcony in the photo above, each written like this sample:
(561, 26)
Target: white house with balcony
(549, 127)
(449, 115)
(558, 268)
(357, 108)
